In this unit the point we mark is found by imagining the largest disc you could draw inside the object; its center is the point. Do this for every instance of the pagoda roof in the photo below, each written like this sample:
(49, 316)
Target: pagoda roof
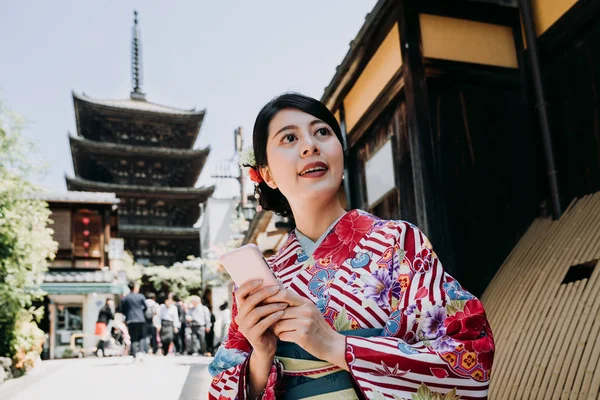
(82, 147)
(150, 231)
(135, 105)
(201, 193)
(76, 197)
(126, 150)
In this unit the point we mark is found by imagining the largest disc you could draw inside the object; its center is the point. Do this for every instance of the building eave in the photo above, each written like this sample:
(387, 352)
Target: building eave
(135, 106)
(76, 197)
(352, 60)
(167, 232)
(126, 150)
(201, 193)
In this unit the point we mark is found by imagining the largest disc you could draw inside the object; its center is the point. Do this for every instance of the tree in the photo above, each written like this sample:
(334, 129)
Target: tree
(182, 279)
(25, 244)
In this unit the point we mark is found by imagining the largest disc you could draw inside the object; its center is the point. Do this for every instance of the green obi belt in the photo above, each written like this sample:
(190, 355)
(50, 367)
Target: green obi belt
(307, 377)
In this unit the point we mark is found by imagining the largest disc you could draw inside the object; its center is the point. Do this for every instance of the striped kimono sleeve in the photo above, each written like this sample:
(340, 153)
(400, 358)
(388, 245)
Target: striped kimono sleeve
(229, 367)
(437, 339)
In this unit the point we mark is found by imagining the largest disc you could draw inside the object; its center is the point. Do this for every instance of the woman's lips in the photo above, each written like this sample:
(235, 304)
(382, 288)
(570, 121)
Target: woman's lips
(314, 174)
(319, 167)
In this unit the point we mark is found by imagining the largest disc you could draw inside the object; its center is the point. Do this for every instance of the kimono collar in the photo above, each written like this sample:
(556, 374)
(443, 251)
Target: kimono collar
(307, 244)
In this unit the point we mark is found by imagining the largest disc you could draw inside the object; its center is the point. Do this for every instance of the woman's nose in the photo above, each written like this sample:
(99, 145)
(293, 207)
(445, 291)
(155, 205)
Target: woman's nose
(309, 146)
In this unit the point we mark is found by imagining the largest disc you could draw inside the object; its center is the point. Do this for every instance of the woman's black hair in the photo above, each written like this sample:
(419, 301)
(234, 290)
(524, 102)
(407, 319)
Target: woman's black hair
(273, 199)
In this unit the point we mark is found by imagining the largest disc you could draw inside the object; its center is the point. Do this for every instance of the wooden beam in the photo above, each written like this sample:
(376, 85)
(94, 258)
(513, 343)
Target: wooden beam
(106, 224)
(418, 121)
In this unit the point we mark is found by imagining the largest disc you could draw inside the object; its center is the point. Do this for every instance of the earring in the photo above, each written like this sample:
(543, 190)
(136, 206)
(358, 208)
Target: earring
(257, 197)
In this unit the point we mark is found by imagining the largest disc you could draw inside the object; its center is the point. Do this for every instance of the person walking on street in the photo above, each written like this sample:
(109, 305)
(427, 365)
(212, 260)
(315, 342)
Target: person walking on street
(150, 340)
(180, 335)
(210, 334)
(104, 317)
(199, 319)
(133, 308)
(225, 321)
(169, 323)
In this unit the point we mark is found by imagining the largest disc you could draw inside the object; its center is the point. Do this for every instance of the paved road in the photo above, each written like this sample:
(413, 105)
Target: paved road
(114, 378)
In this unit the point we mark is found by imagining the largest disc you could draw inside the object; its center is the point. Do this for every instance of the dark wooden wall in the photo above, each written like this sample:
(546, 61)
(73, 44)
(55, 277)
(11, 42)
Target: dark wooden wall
(486, 159)
(570, 58)
(391, 124)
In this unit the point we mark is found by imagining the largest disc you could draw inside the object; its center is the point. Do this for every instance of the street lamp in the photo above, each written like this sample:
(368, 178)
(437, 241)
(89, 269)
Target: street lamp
(249, 212)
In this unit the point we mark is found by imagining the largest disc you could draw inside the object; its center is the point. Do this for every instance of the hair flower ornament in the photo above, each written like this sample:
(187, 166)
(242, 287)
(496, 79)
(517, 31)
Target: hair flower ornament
(248, 160)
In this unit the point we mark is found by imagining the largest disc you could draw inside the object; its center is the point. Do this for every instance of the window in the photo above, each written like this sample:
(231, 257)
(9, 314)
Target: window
(69, 319)
(62, 228)
(379, 173)
(87, 232)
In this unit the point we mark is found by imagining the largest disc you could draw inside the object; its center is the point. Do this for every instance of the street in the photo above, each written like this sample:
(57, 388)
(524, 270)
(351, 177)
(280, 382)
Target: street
(115, 378)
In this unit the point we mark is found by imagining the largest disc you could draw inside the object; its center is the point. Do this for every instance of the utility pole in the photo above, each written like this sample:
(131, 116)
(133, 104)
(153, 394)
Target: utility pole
(225, 171)
(239, 147)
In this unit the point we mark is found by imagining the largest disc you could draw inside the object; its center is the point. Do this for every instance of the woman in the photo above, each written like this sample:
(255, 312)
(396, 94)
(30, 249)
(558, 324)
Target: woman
(210, 334)
(365, 309)
(225, 321)
(104, 317)
(169, 323)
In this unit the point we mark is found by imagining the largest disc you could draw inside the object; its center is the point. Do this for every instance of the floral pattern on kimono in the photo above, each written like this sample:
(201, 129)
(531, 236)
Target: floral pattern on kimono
(436, 342)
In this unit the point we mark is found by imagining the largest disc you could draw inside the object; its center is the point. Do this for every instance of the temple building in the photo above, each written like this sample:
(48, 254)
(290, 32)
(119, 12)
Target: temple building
(144, 153)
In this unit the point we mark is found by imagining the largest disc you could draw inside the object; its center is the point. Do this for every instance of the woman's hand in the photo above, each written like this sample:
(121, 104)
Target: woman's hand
(254, 318)
(303, 323)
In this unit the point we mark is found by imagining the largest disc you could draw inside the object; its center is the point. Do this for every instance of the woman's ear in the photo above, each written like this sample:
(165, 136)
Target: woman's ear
(265, 173)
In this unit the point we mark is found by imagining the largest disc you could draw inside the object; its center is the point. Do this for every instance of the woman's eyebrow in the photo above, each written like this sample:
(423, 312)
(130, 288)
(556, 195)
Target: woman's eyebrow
(285, 128)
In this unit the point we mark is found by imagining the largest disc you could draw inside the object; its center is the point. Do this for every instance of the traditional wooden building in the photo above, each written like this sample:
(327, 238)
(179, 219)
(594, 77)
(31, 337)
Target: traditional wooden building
(81, 276)
(478, 121)
(439, 96)
(144, 152)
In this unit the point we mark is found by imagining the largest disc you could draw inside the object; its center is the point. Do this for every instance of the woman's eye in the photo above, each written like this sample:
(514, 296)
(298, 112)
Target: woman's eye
(323, 131)
(289, 138)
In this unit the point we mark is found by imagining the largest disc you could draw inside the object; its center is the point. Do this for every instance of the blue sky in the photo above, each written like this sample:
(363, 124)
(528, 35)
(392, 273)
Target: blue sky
(229, 57)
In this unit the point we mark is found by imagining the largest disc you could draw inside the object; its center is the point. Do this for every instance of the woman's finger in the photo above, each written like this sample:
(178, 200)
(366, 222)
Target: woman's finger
(286, 325)
(287, 296)
(260, 312)
(292, 312)
(242, 292)
(260, 328)
(253, 300)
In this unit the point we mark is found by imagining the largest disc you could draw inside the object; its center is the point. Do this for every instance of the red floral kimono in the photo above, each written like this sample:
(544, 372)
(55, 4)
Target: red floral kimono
(435, 340)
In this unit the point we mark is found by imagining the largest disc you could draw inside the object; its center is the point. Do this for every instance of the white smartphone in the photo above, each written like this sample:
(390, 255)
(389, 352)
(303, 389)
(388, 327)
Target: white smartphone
(246, 263)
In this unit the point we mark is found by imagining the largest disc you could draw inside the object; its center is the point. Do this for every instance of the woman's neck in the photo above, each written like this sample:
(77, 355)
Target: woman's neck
(312, 219)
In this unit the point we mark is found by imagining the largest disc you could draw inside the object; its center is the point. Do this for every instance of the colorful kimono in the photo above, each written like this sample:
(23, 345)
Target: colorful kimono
(420, 335)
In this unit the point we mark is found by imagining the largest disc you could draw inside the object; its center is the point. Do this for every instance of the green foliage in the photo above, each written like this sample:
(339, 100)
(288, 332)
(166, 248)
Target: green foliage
(25, 239)
(182, 279)
(27, 342)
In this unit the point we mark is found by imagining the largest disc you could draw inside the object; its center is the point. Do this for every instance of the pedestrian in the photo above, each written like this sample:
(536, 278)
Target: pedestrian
(133, 308)
(169, 323)
(150, 340)
(104, 317)
(225, 321)
(210, 334)
(198, 317)
(180, 335)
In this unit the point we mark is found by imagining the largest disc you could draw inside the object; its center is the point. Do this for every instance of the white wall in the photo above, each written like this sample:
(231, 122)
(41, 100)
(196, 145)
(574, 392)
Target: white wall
(91, 305)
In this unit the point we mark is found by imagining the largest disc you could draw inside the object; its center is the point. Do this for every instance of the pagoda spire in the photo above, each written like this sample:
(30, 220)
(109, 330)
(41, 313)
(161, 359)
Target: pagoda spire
(136, 61)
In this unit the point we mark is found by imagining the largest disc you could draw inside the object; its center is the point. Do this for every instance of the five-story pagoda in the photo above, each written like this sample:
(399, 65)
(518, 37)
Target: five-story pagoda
(144, 153)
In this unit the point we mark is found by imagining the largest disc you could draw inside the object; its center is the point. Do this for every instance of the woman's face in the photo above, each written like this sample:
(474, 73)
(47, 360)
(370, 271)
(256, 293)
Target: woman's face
(305, 158)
